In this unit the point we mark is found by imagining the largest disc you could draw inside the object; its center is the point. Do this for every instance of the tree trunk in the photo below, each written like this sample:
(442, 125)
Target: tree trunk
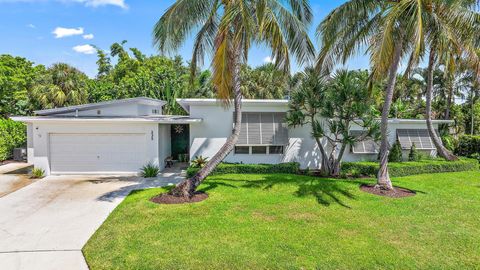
(187, 187)
(472, 118)
(383, 178)
(449, 102)
(325, 168)
(441, 150)
(338, 161)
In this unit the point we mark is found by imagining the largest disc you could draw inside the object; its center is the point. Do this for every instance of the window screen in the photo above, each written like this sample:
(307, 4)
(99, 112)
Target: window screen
(242, 150)
(259, 149)
(368, 146)
(419, 137)
(265, 128)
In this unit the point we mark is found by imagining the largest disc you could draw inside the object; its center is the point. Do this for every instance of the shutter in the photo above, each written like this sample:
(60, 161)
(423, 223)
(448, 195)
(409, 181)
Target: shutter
(367, 146)
(420, 137)
(243, 137)
(254, 128)
(268, 130)
(281, 130)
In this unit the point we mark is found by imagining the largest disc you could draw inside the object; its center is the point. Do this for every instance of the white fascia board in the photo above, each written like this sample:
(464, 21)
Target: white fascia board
(32, 119)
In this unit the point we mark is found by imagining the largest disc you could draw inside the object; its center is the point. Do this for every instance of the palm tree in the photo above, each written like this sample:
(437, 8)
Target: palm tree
(443, 26)
(227, 29)
(370, 24)
(61, 85)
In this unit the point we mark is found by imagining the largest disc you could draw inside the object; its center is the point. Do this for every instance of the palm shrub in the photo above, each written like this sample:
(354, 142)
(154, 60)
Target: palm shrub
(37, 173)
(395, 154)
(199, 161)
(150, 170)
(414, 155)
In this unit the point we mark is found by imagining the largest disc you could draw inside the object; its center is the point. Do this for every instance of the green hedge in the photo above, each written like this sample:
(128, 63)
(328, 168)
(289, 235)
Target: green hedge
(12, 134)
(239, 168)
(397, 169)
(468, 146)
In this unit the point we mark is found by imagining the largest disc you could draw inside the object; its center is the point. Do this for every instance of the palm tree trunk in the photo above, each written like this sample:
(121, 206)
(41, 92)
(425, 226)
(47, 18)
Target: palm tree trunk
(187, 187)
(472, 113)
(441, 150)
(383, 178)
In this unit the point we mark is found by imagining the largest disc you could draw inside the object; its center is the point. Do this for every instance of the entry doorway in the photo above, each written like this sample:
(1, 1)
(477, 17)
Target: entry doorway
(180, 140)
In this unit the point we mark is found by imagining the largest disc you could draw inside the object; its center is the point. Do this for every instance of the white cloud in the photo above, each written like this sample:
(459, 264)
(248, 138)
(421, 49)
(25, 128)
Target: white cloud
(268, 59)
(85, 49)
(31, 26)
(88, 36)
(61, 32)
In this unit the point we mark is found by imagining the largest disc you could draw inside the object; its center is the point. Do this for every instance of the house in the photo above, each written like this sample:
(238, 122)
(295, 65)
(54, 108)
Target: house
(120, 136)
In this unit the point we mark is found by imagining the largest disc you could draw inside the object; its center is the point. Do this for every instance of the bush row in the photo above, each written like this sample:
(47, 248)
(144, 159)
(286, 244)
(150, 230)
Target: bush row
(240, 168)
(397, 169)
(12, 135)
(468, 146)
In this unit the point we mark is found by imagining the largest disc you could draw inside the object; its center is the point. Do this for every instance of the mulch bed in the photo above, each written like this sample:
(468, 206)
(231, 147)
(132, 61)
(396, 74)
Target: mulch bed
(397, 192)
(166, 198)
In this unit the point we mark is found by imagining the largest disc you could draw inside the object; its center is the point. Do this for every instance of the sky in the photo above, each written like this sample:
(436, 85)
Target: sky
(51, 31)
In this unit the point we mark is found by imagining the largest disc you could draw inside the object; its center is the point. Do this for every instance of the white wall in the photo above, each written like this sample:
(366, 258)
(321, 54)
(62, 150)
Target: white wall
(164, 144)
(30, 147)
(207, 137)
(41, 133)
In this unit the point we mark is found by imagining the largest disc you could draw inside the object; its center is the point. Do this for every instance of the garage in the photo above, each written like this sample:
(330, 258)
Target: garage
(97, 153)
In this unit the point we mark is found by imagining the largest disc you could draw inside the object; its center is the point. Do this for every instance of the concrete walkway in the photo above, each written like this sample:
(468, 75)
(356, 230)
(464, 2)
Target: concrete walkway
(45, 224)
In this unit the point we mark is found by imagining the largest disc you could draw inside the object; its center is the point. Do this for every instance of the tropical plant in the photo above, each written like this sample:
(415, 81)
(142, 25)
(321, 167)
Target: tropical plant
(12, 134)
(332, 108)
(61, 85)
(199, 162)
(37, 173)
(149, 170)
(227, 29)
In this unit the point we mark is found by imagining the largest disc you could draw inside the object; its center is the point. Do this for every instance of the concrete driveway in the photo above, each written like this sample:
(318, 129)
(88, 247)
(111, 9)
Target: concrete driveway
(45, 224)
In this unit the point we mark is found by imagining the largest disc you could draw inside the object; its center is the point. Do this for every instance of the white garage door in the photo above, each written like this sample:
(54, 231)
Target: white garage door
(95, 153)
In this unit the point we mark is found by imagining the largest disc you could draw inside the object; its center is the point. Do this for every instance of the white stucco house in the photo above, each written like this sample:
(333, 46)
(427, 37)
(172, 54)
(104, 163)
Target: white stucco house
(121, 136)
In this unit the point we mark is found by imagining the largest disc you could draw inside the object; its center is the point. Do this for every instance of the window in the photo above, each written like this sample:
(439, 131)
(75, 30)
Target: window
(275, 149)
(419, 137)
(155, 111)
(367, 146)
(242, 150)
(259, 149)
(263, 128)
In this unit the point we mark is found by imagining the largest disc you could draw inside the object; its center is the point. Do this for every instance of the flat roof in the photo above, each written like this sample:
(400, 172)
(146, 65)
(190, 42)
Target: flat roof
(161, 119)
(187, 102)
(139, 100)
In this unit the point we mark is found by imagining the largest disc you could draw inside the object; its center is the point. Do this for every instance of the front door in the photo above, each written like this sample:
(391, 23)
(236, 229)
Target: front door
(180, 135)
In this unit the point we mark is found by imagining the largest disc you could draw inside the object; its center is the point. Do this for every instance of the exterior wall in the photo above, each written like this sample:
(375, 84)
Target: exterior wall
(207, 137)
(119, 110)
(30, 147)
(41, 132)
(164, 144)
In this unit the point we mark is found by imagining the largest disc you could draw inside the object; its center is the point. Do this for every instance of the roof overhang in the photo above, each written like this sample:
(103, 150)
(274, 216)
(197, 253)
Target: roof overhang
(418, 121)
(170, 119)
(187, 102)
(92, 106)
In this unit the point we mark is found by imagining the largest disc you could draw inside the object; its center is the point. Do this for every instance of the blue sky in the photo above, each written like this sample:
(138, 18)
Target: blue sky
(50, 31)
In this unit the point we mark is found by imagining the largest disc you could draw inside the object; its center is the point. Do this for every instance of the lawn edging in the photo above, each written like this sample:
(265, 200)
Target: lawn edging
(398, 169)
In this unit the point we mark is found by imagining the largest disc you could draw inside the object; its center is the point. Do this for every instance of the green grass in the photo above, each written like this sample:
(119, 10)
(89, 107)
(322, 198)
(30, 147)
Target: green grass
(282, 221)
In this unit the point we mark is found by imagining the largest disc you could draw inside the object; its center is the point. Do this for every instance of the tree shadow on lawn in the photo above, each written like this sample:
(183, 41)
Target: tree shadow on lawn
(326, 191)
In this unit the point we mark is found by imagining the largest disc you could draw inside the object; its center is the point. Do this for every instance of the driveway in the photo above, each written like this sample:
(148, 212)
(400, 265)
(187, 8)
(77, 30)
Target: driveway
(14, 176)
(45, 224)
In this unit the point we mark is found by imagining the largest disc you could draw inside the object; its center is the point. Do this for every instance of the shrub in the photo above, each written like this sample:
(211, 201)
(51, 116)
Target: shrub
(450, 142)
(397, 169)
(395, 154)
(238, 168)
(12, 134)
(414, 155)
(37, 173)
(150, 170)
(468, 146)
(199, 162)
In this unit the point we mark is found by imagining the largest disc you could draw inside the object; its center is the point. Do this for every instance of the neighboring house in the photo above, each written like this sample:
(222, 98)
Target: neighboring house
(121, 136)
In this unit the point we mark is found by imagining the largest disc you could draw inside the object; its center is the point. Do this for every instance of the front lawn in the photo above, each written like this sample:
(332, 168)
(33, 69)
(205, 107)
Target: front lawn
(282, 221)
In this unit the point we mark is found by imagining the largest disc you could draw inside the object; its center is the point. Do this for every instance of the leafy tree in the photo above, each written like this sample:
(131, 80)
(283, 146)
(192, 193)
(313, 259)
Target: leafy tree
(332, 108)
(395, 154)
(264, 82)
(61, 85)
(17, 75)
(413, 155)
(227, 29)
